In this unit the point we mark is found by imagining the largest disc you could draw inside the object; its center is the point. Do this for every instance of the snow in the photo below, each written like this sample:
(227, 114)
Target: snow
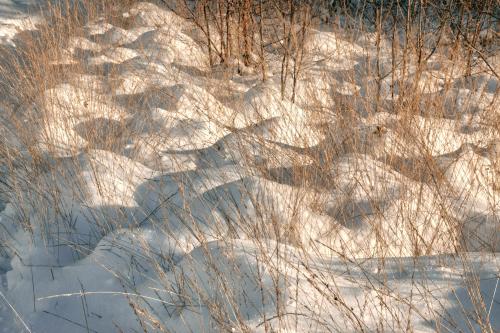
(160, 203)
(15, 17)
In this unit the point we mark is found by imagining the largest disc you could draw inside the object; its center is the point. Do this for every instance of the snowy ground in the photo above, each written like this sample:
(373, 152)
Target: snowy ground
(178, 207)
(16, 16)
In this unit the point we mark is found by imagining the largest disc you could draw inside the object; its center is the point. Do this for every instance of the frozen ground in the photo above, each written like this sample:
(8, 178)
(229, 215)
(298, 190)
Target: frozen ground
(174, 205)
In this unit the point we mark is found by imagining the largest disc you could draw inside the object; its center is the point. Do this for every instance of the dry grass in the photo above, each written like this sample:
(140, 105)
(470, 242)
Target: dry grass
(378, 167)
